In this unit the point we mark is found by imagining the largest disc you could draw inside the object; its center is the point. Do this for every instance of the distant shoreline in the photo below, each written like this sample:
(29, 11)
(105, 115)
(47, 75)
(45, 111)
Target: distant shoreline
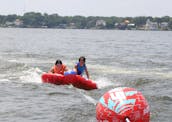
(80, 29)
(38, 20)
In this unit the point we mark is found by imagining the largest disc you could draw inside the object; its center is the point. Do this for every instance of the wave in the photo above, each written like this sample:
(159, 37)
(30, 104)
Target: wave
(160, 107)
(160, 98)
(140, 82)
(31, 75)
(154, 72)
(16, 70)
(13, 70)
(103, 82)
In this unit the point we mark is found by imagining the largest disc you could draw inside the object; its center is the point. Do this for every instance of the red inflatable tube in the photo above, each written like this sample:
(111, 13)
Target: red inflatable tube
(76, 80)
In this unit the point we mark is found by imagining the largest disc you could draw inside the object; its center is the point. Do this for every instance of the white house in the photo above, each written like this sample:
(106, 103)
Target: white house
(151, 25)
(18, 22)
(164, 25)
(100, 23)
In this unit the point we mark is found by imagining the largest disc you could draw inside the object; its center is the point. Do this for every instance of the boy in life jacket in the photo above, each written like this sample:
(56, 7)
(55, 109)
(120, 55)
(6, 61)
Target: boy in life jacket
(80, 67)
(58, 68)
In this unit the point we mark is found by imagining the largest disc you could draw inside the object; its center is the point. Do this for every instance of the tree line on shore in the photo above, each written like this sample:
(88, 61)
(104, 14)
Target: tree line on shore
(38, 20)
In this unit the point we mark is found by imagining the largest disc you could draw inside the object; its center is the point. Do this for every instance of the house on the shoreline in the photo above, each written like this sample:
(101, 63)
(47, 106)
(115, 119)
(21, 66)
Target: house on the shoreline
(100, 24)
(164, 26)
(151, 25)
(16, 23)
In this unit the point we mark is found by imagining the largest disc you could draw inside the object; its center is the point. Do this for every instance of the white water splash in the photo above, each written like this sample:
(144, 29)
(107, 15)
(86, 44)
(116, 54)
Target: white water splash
(4, 80)
(90, 99)
(103, 82)
(155, 72)
(31, 75)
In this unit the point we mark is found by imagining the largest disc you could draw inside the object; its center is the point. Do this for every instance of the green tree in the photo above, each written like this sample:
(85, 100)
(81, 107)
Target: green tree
(157, 19)
(170, 23)
(11, 18)
(91, 22)
(2, 19)
(53, 20)
(32, 19)
(110, 23)
(165, 19)
(139, 21)
(80, 21)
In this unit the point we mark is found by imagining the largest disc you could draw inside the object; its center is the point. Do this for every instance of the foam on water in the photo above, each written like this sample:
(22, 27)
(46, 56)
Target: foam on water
(4, 80)
(90, 99)
(155, 72)
(18, 71)
(31, 75)
(103, 82)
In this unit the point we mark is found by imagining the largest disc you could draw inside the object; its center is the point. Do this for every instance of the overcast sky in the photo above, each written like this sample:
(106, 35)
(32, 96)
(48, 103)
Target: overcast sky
(120, 8)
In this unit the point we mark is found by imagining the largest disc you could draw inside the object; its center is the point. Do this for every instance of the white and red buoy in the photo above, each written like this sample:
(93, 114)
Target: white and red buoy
(122, 105)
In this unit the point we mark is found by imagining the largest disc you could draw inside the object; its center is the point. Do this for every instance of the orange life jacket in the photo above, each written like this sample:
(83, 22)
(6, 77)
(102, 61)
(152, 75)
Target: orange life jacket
(59, 71)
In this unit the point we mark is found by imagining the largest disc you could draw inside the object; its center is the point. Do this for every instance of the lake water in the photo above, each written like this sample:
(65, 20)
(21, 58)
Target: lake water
(138, 59)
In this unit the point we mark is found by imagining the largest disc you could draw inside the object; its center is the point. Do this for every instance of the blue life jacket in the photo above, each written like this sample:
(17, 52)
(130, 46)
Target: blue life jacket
(80, 69)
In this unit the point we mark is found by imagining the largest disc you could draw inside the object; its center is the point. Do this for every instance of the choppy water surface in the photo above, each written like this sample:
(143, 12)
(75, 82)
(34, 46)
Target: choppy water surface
(138, 59)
